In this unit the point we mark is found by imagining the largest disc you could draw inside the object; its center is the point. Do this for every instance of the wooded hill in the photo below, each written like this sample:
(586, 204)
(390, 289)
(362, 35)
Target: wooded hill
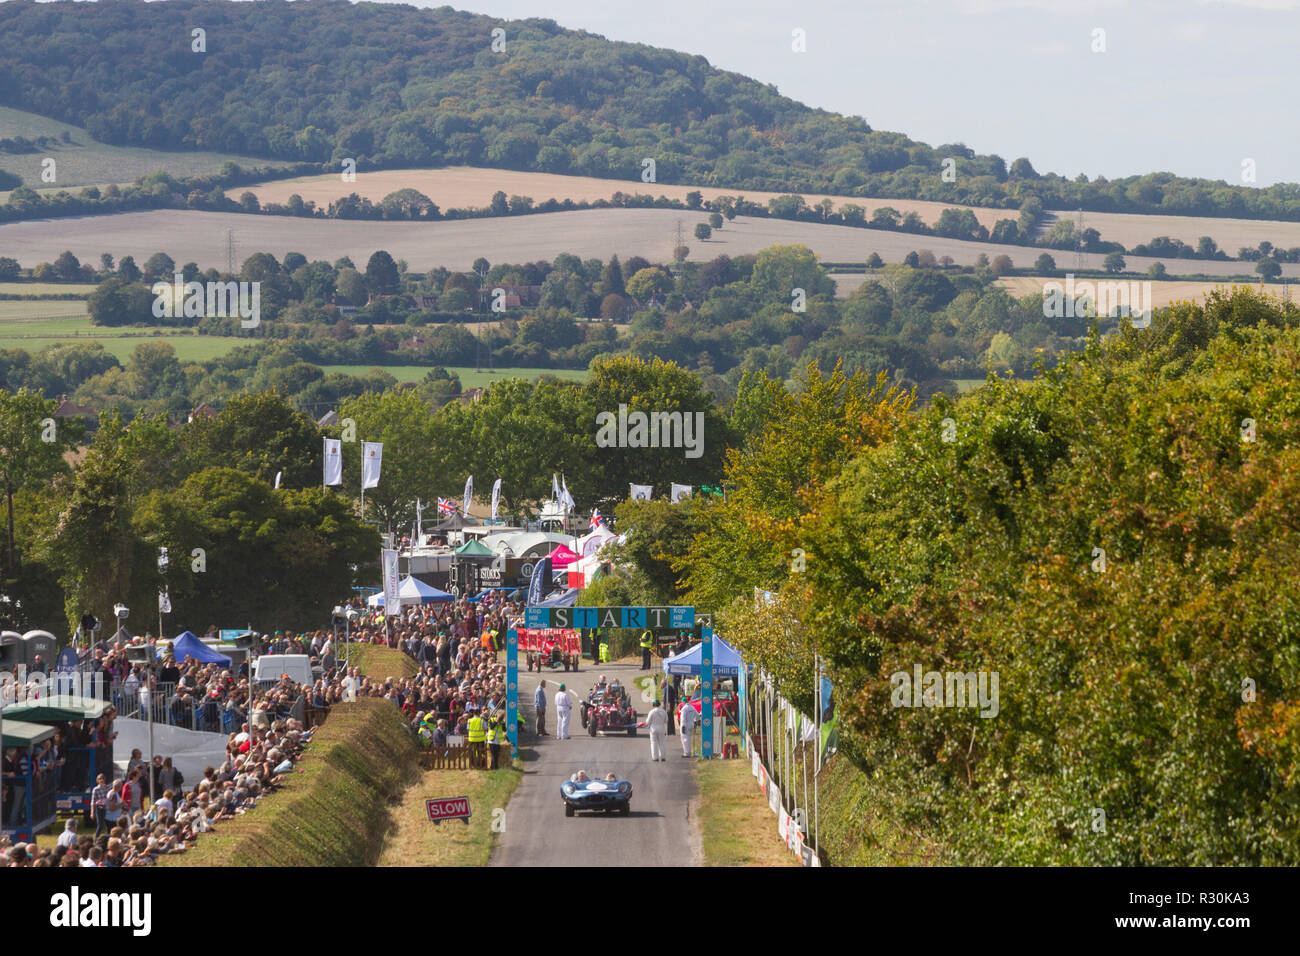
(393, 86)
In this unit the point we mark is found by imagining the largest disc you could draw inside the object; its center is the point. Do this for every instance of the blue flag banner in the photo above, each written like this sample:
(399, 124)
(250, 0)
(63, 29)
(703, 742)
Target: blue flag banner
(540, 581)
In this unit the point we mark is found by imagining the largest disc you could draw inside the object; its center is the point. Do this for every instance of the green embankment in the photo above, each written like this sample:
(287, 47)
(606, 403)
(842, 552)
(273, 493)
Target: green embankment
(335, 809)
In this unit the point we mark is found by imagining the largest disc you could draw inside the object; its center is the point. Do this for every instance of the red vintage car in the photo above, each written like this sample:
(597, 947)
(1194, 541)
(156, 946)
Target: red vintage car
(725, 704)
(608, 710)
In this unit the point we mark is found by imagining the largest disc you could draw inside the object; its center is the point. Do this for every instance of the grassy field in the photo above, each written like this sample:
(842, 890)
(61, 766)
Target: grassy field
(378, 662)
(334, 809)
(469, 377)
(414, 841)
(199, 237)
(738, 827)
(35, 334)
(47, 288)
(88, 162)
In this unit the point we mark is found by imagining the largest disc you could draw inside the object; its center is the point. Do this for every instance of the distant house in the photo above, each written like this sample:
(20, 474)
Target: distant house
(203, 411)
(516, 296)
(471, 395)
(67, 410)
(329, 418)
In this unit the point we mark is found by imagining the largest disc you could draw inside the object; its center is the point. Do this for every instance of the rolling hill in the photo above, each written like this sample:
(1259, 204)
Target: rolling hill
(398, 87)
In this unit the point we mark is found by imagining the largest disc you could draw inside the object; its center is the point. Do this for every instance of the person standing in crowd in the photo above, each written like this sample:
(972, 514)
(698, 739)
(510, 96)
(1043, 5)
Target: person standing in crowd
(99, 804)
(476, 731)
(496, 737)
(656, 721)
(647, 643)
(563, 706)
(670, 700)
(539, 704)
(689, 717)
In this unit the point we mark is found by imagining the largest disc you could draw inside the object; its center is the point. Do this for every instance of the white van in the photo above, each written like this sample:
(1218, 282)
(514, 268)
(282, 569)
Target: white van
(269, 668)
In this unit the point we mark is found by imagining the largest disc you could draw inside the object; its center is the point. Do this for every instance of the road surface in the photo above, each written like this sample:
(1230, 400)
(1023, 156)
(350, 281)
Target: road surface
(658, 832)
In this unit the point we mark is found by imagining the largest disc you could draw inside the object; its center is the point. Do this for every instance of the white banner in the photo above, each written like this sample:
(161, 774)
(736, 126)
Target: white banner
(392, 601)
(278, 476)
(333, 461)
(496, 497)
(164, 603)
(641, 492)
(680, 492)
(469, 493)
(372, 460)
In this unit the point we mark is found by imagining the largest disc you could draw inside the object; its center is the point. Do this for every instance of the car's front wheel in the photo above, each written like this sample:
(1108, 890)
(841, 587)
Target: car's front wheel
(568, 809)
(625, 809)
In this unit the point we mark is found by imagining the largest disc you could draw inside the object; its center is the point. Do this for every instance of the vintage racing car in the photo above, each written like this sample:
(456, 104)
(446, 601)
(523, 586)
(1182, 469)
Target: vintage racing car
(724, 704)
(551, 648)
(581, 792)
(608, 709)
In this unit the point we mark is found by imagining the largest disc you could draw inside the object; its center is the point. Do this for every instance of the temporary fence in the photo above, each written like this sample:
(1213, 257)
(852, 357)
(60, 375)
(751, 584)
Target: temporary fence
(778, 741)
(454, 757)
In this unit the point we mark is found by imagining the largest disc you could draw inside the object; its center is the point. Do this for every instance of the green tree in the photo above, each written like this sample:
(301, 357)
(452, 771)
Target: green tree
(32, 444)
(381, 274)
(414, 462)
(259, 434)
(1114, 263)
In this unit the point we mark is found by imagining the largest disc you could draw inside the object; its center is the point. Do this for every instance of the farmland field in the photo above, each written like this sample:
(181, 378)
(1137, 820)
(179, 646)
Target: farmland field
(34, 325)
(465, 187)
(200, 237)
(469, 377)
(46, 288)
(88, 162)
(1162, 293)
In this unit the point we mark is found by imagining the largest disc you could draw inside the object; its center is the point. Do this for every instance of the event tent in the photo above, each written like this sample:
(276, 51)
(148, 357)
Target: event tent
(473, 548)
(564, 599)
(187, 645)
(563, 556)
(726, 660)
(412, 591)
(51, 709)
(590, 543)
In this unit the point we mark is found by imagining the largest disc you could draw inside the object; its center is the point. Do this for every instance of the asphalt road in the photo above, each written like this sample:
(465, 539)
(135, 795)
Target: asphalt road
(659, 830)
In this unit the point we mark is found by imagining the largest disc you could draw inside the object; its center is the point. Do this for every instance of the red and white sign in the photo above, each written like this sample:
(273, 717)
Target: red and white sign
(451, 808)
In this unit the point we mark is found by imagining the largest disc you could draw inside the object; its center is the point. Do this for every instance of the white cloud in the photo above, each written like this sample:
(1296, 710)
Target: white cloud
(1256, 4)
(1063, 7)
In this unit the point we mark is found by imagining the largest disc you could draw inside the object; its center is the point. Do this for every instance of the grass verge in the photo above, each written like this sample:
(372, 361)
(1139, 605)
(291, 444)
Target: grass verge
(335, 810)
(378, 662)
(414, 841)
(738, 827)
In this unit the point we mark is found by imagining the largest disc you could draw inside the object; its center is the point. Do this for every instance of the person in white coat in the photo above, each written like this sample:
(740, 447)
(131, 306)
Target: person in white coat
(657, 722)
(688, 719)
(563, 705)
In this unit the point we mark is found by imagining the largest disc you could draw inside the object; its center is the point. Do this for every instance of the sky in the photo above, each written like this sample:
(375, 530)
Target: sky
(1193, 87)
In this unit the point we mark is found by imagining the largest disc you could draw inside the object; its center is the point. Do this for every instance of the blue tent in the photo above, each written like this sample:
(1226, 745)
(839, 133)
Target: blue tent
(726, 660)
(564, 599)
(188, 645)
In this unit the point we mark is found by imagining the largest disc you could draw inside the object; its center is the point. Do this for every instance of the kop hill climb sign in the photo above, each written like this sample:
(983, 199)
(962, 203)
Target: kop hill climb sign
(672, 618)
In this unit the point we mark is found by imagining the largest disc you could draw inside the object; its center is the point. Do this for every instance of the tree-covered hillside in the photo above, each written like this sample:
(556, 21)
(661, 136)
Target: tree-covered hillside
(395, 86)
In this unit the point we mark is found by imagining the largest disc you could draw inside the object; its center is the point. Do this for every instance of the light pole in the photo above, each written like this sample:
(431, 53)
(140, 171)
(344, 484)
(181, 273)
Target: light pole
(121, 612)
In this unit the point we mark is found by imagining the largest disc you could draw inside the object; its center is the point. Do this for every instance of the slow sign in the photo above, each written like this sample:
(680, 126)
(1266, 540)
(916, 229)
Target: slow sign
(451, 808)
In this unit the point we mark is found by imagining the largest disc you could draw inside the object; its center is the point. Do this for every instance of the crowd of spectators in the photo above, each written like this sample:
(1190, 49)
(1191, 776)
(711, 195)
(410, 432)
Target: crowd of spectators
(128, 834)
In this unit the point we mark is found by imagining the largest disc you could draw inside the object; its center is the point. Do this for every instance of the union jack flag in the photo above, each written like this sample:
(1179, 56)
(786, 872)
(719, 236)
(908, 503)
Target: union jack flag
(446, 506)
(597, 519)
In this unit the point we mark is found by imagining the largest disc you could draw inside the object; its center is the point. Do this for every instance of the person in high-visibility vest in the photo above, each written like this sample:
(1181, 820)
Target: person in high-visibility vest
(476, 729)
(647, 642)
(604, 652)
(496, 736)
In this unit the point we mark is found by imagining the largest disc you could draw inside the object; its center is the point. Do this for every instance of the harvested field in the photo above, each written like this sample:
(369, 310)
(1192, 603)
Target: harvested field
(464, 187)
(1130, 229)
(1162, 293)
(200, 237)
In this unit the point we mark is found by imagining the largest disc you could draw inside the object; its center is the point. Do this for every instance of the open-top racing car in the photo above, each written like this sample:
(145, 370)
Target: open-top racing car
(608, 709)
(581, 792)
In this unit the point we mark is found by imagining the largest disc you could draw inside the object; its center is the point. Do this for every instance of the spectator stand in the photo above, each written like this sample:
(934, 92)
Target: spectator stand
(84, 754)
(29, 788)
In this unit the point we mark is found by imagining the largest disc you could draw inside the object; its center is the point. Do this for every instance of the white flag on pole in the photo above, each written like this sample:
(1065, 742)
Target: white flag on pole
(164, 602)
(680, 492)
(372, 461)
(392, 601)
(469, 493)
(496, 497)
(333, 461)
(278, 475)
(567, 499)
(419, 523)
(641, 492)
(555, 488)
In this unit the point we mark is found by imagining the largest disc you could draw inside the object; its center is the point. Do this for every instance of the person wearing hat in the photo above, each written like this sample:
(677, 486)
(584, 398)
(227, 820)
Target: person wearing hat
(563, 705)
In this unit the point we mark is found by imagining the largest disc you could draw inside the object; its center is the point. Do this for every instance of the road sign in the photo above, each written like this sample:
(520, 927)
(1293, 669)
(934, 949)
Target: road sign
(450, 808)
(656, 618)
(230, 634)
